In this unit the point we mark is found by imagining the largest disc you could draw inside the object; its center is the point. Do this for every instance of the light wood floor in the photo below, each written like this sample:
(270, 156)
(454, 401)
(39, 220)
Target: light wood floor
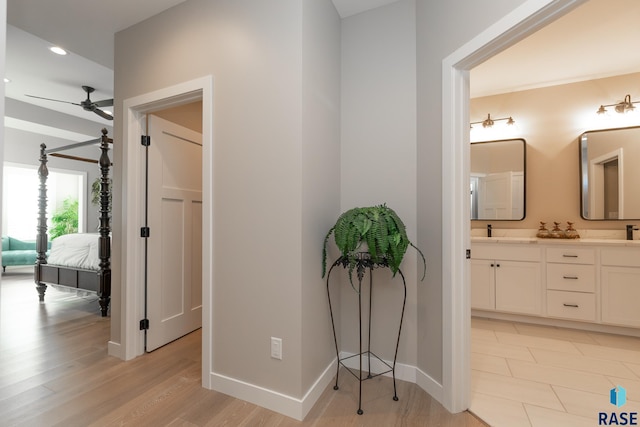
(55, 371)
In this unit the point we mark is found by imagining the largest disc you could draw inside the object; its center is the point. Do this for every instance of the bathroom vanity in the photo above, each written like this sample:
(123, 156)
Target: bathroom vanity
(584, 283)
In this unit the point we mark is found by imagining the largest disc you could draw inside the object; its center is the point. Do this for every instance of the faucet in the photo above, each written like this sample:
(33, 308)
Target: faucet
(630, 229)
(489, 230)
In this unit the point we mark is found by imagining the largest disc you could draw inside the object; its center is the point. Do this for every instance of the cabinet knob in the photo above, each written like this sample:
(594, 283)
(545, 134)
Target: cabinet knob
(570, 277)
(570, 305)
(570, 256)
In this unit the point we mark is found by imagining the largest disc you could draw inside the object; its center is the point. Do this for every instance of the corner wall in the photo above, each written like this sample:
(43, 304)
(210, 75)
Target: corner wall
(379, 161)
(320, 177)
(275, 131)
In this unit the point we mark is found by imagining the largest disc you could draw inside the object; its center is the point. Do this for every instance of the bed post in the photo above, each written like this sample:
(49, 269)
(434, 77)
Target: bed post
(104, 244)
(41, 238)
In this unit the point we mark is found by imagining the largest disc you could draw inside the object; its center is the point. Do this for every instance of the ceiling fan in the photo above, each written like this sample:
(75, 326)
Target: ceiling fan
(87, 104)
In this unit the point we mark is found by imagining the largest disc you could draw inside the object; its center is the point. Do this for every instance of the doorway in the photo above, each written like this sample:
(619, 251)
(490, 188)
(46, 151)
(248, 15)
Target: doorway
(131, 305)
(523, 21)
(605, 194)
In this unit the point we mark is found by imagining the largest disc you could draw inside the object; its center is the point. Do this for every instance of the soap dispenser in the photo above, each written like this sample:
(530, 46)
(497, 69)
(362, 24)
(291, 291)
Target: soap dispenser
(556, 232)
(543, 233)
(570, 232)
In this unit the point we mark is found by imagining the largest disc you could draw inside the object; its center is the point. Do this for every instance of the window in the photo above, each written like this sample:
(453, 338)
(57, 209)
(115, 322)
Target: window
(20, 198)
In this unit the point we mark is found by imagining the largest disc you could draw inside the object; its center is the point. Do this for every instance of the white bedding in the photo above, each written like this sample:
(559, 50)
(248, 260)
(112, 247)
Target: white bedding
(75, 250)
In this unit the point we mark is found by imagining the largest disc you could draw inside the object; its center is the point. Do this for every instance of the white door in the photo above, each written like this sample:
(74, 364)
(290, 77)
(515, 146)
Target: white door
(495, 196)
(174, 246)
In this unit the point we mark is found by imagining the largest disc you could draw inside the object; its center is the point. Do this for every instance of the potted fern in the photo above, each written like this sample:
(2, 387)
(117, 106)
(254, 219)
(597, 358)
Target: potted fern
(377, 227)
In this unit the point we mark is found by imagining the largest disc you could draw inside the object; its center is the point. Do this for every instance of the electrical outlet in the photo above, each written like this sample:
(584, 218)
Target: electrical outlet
(276, 348)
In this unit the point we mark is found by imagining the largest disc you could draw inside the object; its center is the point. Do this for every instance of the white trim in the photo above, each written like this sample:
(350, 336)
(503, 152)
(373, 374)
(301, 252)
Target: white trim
(299, 408)
(273, 400)
(135, 109)
(523, 21)
(560, 323)
(114, 349)
(428, 384)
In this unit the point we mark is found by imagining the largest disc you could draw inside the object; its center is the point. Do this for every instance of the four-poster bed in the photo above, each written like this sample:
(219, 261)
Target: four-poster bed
(94, 276)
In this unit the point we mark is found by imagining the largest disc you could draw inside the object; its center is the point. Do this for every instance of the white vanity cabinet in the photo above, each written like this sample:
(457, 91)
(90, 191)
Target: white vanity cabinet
(591, 284)
(571, 283)
(620, 286)
(506, 278)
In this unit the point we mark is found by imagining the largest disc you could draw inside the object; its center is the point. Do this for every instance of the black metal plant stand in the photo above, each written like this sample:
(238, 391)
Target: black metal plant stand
(364, 262)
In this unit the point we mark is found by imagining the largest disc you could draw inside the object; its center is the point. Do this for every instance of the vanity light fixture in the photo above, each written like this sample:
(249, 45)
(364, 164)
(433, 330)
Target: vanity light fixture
(489, 122)
(621, 107)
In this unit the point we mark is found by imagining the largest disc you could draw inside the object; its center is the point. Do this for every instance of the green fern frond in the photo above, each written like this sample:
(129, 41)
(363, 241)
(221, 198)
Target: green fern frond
(324, 251)
(383, 231)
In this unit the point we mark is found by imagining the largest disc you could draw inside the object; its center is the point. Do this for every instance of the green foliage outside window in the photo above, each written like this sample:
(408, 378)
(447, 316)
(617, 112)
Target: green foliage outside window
(65, 220)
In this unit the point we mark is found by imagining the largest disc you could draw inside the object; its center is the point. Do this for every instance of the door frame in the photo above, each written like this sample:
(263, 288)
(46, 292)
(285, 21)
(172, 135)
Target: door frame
(132, 292)
(456, 316)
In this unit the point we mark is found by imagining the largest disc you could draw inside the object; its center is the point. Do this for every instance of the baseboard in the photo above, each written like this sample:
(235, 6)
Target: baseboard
(299, 408)
(561, 323)
(115, 349)
(429, 385)
(403, 372)
(273, 400)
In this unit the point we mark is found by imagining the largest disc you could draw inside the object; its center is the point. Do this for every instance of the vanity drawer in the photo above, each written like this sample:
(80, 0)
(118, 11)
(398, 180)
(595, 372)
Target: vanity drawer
(571, 305)
(571, 277)
(509, 252)
(571, 255)
(621, 257)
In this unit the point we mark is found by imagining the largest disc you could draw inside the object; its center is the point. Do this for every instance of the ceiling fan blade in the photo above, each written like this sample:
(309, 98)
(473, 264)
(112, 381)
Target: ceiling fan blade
(104, 103)
(49, 99)
(103, 114)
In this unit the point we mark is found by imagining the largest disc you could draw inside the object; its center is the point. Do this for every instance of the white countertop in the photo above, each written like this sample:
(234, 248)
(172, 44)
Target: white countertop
(527, 236)
(535, 240)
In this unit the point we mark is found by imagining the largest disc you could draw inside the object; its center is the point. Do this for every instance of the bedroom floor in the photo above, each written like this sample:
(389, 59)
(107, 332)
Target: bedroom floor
(55, 371)
(529, 375)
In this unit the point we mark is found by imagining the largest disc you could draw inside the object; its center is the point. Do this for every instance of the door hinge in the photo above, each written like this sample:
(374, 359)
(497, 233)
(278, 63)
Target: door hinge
(144, 324)
(145, 140)
(468, 253)
(145, 232)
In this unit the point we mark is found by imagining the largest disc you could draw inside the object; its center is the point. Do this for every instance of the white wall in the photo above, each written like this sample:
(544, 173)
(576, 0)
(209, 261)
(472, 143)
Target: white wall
(320, 175)
(442, 27)
(275, 137)
(378, 137)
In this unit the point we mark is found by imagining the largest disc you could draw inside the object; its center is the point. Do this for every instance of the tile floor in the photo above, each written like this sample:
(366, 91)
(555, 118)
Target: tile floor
(531, 376)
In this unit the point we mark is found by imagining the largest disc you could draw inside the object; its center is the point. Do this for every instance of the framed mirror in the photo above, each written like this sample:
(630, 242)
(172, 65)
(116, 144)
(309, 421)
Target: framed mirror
(498, 180)
(609, 174)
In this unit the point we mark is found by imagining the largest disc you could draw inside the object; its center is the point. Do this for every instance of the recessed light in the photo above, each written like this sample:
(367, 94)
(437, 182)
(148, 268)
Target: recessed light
(58, 50)
(6, 80)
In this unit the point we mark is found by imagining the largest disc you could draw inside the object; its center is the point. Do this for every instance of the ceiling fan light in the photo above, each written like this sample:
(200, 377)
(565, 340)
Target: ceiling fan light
(58, 50)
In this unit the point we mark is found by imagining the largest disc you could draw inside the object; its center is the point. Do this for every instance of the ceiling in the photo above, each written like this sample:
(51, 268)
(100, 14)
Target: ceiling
(561, 52)
(598, 39)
